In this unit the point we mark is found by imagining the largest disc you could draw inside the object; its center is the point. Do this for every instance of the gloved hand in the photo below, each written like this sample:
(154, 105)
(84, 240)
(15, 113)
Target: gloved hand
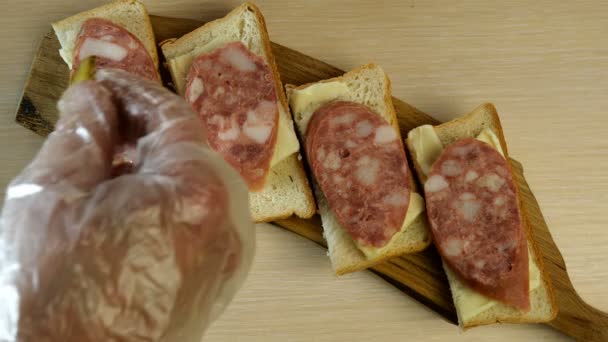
(150, 255)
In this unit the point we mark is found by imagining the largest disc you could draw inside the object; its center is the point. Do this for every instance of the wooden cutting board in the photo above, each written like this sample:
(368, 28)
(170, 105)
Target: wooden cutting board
(419, 275)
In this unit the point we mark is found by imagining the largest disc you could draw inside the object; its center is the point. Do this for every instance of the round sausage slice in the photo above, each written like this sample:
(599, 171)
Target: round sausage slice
(359, 162)
(472, 205)
(233, 91)
(113, 47)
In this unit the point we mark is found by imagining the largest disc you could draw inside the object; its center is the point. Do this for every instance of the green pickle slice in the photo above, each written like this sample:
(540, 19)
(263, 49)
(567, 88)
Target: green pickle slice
(85, 71)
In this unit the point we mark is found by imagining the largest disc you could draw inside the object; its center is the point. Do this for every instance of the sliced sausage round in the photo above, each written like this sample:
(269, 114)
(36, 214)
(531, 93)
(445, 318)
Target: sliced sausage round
(113, 47)
(233, 91)
(359, 162)
(472, 205)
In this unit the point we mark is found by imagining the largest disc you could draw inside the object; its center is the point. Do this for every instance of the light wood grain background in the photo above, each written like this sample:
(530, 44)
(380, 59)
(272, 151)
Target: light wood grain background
(543, 63)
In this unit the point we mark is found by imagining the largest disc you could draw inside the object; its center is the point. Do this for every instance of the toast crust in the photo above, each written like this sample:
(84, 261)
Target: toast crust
(299, 179)
(418, 224)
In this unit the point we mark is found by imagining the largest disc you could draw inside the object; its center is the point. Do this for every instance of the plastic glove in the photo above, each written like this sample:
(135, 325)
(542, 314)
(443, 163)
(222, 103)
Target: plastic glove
(150, 255)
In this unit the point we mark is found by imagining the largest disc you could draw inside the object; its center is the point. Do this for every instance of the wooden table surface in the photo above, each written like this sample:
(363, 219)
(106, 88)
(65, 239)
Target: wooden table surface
(543, 63)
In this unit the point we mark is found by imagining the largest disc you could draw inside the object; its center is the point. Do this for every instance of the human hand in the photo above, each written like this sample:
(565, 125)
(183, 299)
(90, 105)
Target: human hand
(150, 255)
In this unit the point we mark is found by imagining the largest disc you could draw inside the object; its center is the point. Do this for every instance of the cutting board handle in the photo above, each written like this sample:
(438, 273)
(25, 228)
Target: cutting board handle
(575, 317)
(580, 320)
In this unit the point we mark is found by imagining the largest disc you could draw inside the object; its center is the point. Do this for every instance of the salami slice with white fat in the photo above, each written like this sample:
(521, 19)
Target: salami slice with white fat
(472, 205)
(233, 91)
(113, 47)
(359, 162)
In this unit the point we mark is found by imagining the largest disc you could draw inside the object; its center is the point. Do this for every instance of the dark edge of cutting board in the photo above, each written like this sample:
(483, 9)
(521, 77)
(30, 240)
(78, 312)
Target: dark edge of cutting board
(419, 275)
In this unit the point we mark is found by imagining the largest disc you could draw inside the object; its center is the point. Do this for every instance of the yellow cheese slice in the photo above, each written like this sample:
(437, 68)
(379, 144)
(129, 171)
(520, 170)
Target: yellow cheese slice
(287, 141)
(491, 139)
(469, 303)
(306, 101)
(428, 147)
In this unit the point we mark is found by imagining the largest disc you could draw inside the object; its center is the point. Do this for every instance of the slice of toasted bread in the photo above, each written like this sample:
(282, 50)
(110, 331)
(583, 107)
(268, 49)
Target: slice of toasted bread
(367, 85)
(542, 302)
(129, 14)
(286, 191)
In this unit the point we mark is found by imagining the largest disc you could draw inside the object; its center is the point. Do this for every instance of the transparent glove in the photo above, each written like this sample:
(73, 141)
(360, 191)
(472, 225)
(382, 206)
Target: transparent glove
(91, 251)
